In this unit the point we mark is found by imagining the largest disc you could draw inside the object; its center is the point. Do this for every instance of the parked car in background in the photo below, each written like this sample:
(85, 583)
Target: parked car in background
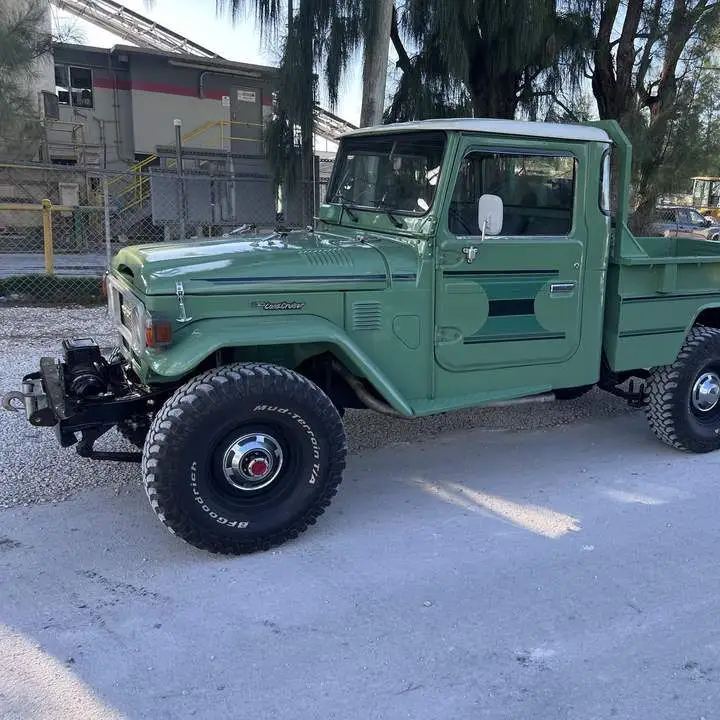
(678, 221)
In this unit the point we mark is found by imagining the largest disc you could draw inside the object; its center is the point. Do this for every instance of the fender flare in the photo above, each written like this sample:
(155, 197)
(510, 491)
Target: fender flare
(699, 311)
(201, 339)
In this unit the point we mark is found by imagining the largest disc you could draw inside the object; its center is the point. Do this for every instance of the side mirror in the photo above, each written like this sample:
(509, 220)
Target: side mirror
(490, 215)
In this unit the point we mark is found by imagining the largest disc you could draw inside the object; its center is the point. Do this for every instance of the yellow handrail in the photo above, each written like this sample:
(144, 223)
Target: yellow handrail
(153, 156)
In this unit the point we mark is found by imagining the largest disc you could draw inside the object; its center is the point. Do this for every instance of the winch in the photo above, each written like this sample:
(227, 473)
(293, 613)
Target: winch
(85, 370)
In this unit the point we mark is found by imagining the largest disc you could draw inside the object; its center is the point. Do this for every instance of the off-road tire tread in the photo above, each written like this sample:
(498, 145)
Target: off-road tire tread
(660, 396)
(175, 411)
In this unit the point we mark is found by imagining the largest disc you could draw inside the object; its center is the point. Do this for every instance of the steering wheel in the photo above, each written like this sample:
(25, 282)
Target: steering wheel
(460, 219)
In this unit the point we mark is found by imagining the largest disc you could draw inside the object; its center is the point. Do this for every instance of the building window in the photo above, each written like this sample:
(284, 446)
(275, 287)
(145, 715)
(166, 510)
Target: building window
(73, 86)
(537, 193)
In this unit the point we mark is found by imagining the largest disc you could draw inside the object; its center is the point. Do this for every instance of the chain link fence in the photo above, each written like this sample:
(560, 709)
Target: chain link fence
(674, 221)
(59, 226)
(681, 221)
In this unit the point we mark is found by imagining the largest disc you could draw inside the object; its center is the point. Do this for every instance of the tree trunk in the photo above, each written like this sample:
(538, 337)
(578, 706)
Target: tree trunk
(495, 97)
(375, 62)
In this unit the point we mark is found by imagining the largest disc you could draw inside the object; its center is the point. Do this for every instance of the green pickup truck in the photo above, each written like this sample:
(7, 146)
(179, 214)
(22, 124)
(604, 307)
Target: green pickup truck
(454, 263)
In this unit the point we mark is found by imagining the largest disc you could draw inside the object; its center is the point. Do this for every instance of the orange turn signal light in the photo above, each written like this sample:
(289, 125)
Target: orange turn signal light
(158, 333)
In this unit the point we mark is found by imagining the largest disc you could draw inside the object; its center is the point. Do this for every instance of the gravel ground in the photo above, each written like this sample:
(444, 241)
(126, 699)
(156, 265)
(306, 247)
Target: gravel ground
(34, 469)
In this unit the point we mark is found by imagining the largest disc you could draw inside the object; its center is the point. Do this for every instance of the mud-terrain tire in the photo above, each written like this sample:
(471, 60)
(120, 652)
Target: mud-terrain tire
(135, 430)
(682, 400)
(243, 458)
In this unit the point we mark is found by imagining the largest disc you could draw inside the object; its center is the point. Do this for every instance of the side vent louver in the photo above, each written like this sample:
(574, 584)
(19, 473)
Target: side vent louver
(327, 257)
(366, 316)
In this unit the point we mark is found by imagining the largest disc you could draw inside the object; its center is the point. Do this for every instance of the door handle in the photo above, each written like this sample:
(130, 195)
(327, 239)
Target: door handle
(562, 288)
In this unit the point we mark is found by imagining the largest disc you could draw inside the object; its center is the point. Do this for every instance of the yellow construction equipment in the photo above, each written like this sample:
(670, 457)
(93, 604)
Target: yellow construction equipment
(706, 195)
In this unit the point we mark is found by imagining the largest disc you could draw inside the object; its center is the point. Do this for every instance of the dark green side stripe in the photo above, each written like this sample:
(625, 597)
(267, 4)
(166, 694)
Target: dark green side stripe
(309, 279)
(485, 274)
(508, 308)
(653, 331)
(512, 337)
(667, 298)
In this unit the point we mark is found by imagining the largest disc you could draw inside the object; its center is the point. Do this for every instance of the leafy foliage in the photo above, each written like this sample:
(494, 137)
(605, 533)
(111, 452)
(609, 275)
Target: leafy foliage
(648, 72)
(646, 60)
(22, 44)
(489, 58)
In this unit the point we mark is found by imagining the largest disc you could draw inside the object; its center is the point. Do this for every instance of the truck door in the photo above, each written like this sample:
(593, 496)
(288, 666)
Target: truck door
(514, 299)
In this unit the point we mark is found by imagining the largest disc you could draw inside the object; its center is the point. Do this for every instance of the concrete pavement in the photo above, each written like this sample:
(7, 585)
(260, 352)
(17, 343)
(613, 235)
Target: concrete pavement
(562, 574)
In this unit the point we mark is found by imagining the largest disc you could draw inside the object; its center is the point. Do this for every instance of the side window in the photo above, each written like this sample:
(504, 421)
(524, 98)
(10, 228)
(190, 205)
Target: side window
(605, 184)
(537, 191)
(73, 86)
(696, 218)
(714, 194)
(62, 86)
(81, 87)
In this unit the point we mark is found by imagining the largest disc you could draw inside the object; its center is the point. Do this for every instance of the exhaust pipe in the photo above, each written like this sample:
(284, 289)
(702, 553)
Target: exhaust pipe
(380, 406)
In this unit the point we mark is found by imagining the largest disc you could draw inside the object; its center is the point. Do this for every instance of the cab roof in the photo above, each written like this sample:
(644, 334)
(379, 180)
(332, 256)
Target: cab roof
(493, 127)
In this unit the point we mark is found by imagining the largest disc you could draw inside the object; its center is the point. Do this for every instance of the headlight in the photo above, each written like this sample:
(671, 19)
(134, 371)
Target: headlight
(137, 328)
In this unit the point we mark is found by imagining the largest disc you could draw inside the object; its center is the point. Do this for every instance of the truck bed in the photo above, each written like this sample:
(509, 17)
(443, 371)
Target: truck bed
(655, 290)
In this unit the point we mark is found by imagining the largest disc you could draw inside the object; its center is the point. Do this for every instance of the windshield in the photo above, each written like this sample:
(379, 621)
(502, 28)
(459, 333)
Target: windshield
(396, 172)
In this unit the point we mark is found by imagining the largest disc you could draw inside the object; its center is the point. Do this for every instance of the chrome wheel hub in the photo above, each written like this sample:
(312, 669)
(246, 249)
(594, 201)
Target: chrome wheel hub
(706, 392)
(252, 462)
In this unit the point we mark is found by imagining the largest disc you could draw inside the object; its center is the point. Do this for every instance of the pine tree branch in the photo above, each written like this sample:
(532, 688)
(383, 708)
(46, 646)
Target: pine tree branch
(403, 58)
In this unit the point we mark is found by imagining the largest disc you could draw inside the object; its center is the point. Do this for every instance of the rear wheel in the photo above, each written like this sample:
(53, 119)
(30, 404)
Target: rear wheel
(244, 458)
(682, 400)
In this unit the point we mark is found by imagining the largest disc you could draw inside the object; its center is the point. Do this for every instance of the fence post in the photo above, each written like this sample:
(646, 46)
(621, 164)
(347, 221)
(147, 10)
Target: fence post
(48, 236)
(108, 236)
(181, 181)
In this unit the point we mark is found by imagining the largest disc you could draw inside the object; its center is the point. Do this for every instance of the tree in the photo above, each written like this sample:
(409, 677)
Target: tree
(314, 35)
(22, 44)
(486, 57)
(375, 60)
(646, 60)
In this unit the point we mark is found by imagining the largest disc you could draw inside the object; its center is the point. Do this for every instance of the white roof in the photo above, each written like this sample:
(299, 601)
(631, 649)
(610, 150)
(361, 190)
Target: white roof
(493, 127)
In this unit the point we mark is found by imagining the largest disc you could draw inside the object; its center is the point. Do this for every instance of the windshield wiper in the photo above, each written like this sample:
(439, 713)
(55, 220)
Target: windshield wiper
(345, 207)
(388, 211)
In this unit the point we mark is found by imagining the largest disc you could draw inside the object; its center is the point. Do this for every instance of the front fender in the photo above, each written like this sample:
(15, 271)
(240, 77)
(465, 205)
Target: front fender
(208, 336)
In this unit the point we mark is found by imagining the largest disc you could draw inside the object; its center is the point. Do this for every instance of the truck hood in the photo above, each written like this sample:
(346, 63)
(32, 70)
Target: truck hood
(311, 260)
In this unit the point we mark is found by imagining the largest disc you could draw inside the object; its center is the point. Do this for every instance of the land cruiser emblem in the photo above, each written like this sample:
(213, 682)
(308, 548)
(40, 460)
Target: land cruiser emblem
(265, 305)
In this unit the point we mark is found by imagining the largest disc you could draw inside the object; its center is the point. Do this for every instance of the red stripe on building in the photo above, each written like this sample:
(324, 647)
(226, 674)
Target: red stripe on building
(163, 88)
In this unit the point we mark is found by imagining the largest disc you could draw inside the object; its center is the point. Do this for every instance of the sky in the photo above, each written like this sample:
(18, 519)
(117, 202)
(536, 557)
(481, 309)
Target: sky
(197, 20)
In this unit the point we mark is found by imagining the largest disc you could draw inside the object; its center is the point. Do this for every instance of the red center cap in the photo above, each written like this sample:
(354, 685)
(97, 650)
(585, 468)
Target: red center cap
(258, 468)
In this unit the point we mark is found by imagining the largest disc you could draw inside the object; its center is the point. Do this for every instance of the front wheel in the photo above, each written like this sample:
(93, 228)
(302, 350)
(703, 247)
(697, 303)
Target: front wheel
(244, 458)
(682, 400)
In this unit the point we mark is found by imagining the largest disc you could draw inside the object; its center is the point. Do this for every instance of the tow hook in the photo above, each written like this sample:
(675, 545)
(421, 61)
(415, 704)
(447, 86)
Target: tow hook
(9, 398)
(33, 399)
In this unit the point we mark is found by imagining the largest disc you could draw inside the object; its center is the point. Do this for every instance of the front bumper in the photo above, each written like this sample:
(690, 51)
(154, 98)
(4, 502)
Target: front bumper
(47, 403)
(44, 400)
